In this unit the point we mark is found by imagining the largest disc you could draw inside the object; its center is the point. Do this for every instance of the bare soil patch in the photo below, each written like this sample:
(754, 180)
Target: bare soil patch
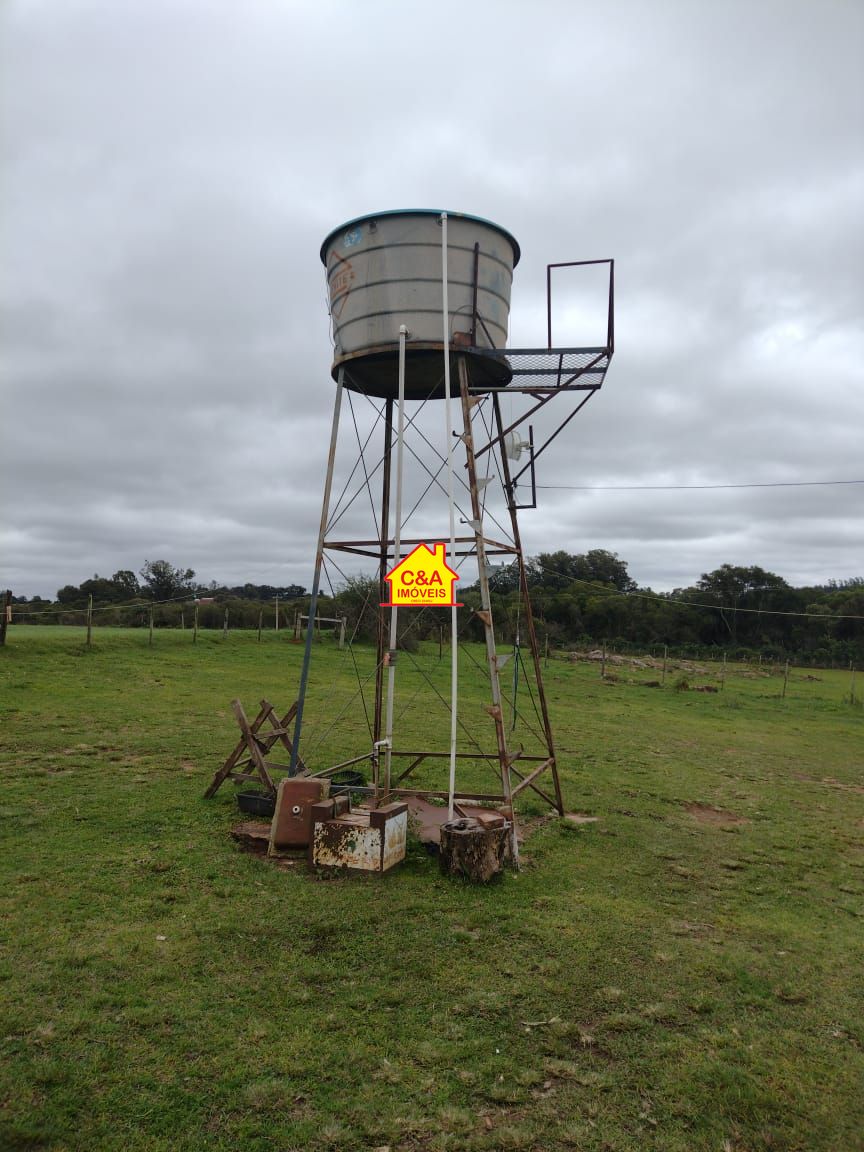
(830, 782)
(708, 814)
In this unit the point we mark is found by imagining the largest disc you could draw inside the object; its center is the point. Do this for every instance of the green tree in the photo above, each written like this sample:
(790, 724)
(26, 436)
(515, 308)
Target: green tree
(162, 581)
(126, 583)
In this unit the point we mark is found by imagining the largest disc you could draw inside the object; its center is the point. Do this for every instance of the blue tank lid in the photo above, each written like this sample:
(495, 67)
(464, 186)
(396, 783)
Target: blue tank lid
(420, 212)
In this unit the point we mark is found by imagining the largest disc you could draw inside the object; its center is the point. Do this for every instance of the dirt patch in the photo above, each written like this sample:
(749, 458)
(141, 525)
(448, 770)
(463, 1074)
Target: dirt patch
(708, 814)
(527, 828)
(830, 782)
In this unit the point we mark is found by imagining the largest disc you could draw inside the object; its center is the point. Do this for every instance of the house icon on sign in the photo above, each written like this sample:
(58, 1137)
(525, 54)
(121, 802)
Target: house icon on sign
(422, 579)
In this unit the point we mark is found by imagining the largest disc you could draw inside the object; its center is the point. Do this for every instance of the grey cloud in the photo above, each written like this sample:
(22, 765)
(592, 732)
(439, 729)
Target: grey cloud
(171, 169)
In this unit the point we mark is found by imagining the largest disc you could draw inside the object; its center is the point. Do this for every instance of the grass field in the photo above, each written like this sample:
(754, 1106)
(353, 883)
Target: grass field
(685, 974)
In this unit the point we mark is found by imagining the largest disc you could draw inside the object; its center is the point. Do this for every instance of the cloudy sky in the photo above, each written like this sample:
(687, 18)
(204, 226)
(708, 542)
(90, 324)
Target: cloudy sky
(169, 168)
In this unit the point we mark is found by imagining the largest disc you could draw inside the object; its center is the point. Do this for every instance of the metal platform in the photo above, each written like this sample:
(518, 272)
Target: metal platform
(544, 370)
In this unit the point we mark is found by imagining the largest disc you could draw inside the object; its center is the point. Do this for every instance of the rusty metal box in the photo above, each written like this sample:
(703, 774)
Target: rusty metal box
(360, 841)
(292, 819)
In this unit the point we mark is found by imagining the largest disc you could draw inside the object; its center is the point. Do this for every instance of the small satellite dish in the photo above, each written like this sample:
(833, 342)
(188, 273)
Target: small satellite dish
(514, 446)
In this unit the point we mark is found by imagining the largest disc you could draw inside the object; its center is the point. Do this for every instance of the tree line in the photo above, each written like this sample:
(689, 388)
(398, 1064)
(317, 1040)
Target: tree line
(578, 600)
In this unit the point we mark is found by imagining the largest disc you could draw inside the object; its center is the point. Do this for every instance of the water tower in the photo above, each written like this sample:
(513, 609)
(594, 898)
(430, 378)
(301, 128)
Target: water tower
(419, 303)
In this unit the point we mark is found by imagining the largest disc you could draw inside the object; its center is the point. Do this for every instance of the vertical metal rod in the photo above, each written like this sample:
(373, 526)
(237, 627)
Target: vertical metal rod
(474, 296)
(397, 556)
(610, 324)
(549, 305)
(316, 580)
(381, 636)
(516, 659)
(454, 626)
(486, 604)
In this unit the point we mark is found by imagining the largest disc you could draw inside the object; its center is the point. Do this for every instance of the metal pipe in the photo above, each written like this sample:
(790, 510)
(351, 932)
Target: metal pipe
(474, 296)
(397, 556)
(316, 581)
(383, 546)
(454, 629)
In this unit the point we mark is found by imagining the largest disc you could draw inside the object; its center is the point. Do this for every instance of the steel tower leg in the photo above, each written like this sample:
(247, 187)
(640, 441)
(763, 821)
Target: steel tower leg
(485, 612)
(529, 614)
(316, 580)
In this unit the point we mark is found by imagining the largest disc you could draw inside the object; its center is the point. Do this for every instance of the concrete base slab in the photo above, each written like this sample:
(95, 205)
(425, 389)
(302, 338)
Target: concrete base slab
(428, 817)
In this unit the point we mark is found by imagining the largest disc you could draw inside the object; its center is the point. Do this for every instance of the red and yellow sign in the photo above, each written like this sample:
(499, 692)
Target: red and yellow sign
(423, 579)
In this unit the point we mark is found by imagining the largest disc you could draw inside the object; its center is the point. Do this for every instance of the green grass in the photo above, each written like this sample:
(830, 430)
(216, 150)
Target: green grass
(663, 979)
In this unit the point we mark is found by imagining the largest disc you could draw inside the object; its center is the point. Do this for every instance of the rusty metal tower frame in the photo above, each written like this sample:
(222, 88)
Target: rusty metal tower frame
(570, 377)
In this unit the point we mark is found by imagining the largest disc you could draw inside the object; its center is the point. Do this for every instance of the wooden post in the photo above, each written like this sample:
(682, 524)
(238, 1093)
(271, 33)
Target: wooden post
(151, 627)
(723, 674)
(260, 622)
(296, 625)
(89, 619)
(603, 663)
(195, 626)
(277, 613)
(225, 626)
(546, 651)
(5, 615)
(852, 685)
(342, 632)
(182, 620)
(785, 680)
(665, 654)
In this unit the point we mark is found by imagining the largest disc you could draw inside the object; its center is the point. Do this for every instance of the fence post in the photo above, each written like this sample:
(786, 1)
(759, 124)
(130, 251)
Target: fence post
(89, 619)
(277, 613)
(342, 632)
(151, 627)
(603, 663)
(182, 620)
(785, 680)
(723, 674)
(5, 615)
(260, 621)
(852, 686)
(665, 653)
(225, 626)
(195, 627)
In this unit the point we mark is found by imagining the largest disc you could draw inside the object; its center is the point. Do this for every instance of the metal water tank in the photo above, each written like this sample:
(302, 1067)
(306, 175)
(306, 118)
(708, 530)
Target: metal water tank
(385, 270)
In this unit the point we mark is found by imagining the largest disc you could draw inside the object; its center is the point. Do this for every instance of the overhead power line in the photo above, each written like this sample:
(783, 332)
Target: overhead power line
(702, 487)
